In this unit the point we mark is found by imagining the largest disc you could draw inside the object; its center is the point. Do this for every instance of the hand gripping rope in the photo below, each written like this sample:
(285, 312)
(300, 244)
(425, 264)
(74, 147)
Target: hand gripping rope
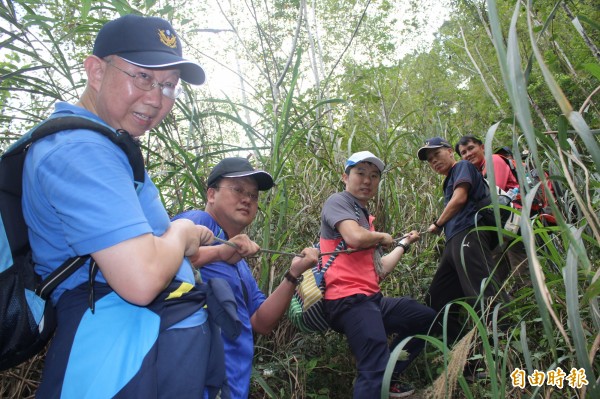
(343, 251)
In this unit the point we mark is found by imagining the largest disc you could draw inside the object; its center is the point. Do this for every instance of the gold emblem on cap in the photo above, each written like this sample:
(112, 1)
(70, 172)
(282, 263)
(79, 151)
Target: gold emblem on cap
(167, 38)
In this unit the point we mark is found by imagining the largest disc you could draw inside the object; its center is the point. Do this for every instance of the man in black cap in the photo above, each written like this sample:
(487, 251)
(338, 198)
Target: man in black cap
(467, 257)
(511, 256)
(232, 204)
(79, 198)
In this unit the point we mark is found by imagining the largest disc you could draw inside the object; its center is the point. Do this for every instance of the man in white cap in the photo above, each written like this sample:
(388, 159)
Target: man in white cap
(354, 304)
(118, 335)
(231, 206)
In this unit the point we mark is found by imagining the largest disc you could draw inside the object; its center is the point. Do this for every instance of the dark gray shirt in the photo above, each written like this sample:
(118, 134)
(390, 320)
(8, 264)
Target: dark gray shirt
(339, 207)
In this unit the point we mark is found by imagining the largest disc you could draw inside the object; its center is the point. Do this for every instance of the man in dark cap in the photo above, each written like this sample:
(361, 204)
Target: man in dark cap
(232, 204)
(467, 257)
(79, 198)
(511, 256)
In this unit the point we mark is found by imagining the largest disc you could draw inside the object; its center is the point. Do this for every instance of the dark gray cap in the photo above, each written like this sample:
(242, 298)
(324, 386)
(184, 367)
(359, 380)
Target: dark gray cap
(240, 167)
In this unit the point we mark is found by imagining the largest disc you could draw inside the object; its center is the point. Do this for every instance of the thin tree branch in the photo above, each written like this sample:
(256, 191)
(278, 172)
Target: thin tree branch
(362, 17)
(487, 88)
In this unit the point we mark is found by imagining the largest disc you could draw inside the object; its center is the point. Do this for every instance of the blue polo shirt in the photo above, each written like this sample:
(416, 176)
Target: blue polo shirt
(79, 198)
(240, 352)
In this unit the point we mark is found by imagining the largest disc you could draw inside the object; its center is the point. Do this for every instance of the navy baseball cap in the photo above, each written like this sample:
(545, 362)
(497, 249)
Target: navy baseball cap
(148, 42)
(240, 167)
(434, 142)
(506, 151)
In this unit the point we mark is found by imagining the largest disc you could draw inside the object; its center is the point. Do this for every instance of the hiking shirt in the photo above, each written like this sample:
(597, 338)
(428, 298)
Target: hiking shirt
(505, 179)
(240, 352)
(353, 273)
(463, 172)
(79, 198)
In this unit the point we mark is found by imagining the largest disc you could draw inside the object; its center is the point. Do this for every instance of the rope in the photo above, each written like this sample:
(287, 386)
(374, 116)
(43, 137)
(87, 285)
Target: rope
(268, 251)
(343, 251)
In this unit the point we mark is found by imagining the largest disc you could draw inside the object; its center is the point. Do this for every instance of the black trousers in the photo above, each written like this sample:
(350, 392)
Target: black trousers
(466, 262)
(366, 321)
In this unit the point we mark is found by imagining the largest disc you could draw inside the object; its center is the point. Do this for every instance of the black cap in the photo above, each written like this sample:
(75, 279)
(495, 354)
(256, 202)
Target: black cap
(434, 142)
(148, 42)
(506, 151)
(240, 167)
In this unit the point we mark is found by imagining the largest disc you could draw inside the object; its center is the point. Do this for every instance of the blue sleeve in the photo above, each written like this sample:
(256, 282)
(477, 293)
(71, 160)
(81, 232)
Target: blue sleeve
(87, 182)
(203, 218)
(463, 173)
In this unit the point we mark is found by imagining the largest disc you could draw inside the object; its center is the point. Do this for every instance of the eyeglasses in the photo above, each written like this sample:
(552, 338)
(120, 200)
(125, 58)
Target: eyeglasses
(146, 82)
(252, 196)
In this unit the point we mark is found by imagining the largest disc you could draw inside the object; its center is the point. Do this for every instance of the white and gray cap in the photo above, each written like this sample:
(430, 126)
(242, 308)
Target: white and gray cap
(364, 156)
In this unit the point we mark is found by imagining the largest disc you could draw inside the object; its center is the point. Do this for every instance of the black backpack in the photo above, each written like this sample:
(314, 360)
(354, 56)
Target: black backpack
(27, 319)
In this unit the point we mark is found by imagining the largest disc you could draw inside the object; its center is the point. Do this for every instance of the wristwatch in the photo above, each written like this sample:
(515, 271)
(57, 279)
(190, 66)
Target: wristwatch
(294, 280)
(404, 246)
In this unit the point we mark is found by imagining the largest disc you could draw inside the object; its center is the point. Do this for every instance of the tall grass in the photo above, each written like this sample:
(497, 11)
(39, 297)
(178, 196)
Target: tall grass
(563, 265)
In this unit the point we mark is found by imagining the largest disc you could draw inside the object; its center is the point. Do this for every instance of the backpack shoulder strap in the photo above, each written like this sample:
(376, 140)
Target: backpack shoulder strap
(511, 165)
(60, 274)
(341, 245)
(510, 162)
(120, 137)
(56, 124)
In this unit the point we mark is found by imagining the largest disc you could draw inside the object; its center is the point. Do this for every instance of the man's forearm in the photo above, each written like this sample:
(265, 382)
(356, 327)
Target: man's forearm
(358, 237)
(205, 255)
(266, 317)
(456, 203)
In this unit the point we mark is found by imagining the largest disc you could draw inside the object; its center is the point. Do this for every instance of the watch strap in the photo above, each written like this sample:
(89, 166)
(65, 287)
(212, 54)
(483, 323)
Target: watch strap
(403, 246)
(294, 280)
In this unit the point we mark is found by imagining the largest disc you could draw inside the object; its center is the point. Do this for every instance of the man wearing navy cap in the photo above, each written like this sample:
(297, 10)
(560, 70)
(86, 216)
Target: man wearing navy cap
(511, 256)
(354, 304)
(232, 204)
(464, 191)
(79, 198)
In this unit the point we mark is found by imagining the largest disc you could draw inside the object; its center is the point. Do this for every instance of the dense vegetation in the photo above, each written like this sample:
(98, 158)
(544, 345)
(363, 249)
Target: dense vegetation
(307, 85)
